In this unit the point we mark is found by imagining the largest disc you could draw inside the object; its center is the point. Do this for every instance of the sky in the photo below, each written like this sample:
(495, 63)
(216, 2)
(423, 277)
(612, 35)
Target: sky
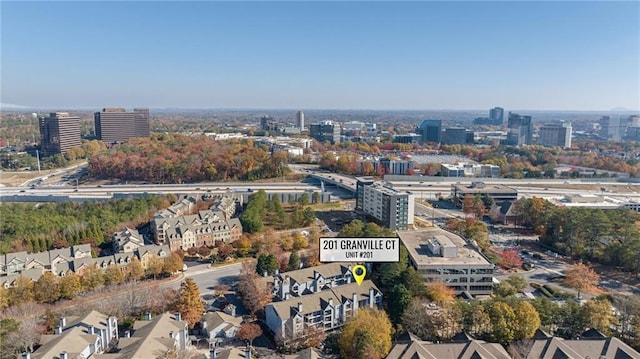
(420, 55)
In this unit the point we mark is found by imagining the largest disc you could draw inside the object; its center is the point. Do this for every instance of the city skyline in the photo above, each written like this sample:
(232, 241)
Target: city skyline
(564, 56)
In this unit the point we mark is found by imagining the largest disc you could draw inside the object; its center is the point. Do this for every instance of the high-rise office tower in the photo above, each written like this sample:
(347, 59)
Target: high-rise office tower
(300, 120)
(430, 130)
(520, 130)
(118, 125)
(496, 116)
(556, 135)
(58, 133)
(613, 128)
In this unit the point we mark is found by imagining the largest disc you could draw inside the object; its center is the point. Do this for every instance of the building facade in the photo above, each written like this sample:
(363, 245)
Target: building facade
(117, 125)
(496, 116)
(390, 208)
(325, 131)
(520, 130)
(498, 192)
(430, 130)
(613, 128)
(457, 136)
(443, 257)
(59, 132)
(556, 135)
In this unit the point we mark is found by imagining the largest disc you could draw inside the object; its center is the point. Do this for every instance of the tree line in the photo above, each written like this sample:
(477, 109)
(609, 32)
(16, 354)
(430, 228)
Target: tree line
(260, 212)
(45, 226)
(610, 237)
(168, 158)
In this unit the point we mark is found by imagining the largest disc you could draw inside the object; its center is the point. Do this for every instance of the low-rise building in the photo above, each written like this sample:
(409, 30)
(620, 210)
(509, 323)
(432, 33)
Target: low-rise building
(79, 337)
(219, 328)
(126, 240)
(457, 349)
(498, 192)
(205, 228)
(326, 310)
(442, 256)
(309, 280)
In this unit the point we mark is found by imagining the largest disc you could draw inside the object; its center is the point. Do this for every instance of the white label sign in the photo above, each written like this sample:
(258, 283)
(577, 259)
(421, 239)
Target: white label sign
(378, 249)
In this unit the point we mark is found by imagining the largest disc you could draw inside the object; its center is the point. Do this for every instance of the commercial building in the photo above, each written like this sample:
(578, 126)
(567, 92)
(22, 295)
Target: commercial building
(441, 256)
(457, 136)
(390, 208)
(498, 192)
(118, 125)
(59, 132)
(613, 128)
(396, 167)
(496, 116)
(556, 135)
(300, 120)
(412, 138)
(469, 170)
(430, 130)
(520, 130)
(325, 131)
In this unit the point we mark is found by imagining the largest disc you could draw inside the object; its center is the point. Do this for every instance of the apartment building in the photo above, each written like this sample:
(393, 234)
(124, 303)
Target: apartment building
(390, 208)
(326, 309)
(187, 231)
(442, 256)
(309, 280)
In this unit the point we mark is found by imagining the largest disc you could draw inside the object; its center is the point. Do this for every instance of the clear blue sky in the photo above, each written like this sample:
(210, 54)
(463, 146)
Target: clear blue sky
(322, 55)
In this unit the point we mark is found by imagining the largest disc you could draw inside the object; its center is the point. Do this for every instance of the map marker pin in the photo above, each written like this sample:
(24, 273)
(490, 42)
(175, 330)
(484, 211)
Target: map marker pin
(359, 271)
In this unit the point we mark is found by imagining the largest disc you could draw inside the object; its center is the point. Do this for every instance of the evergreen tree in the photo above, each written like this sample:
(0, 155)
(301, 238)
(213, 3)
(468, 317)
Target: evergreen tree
(294, 261)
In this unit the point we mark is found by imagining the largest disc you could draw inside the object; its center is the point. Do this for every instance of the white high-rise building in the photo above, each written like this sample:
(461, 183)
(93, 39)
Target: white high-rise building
(556, 135)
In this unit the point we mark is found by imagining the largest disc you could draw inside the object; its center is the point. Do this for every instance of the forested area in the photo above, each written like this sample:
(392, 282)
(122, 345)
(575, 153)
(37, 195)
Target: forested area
(167, 158)
(610, 237)
(43, 226)
(261, 212)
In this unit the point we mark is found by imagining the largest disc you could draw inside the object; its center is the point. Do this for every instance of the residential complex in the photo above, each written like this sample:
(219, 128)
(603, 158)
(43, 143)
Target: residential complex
(441, 256)
(59, 132)
(73, 259)
(389, 207)
(465, 348)
(117, 125)
(556, 135)
(326, 309)
(309, 280)
(204, 228)
(520, 130)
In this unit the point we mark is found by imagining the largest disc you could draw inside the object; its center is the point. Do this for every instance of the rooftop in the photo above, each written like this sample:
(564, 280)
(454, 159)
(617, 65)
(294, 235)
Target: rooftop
(417, 241)
(464, 188)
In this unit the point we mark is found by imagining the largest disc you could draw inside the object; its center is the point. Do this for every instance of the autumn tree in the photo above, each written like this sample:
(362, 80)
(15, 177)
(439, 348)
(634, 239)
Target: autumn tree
(190, 305)
(154, 267)
(580, 277)
(47, 288)
(70, 285)
(502, 318)
(431, 322)
(92, 278)
(135, 270)
(440, 293)
(172, 264)
(527, 320)
(599, 314)
(253, 290)
(248, 332)
(21, 291)
(4, 298)
(366, 335)
(113, 275)
(511, 259)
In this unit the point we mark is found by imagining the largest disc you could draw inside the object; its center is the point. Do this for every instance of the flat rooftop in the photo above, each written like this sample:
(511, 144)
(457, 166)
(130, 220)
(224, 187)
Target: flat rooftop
(493, 188)
(417, 241)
